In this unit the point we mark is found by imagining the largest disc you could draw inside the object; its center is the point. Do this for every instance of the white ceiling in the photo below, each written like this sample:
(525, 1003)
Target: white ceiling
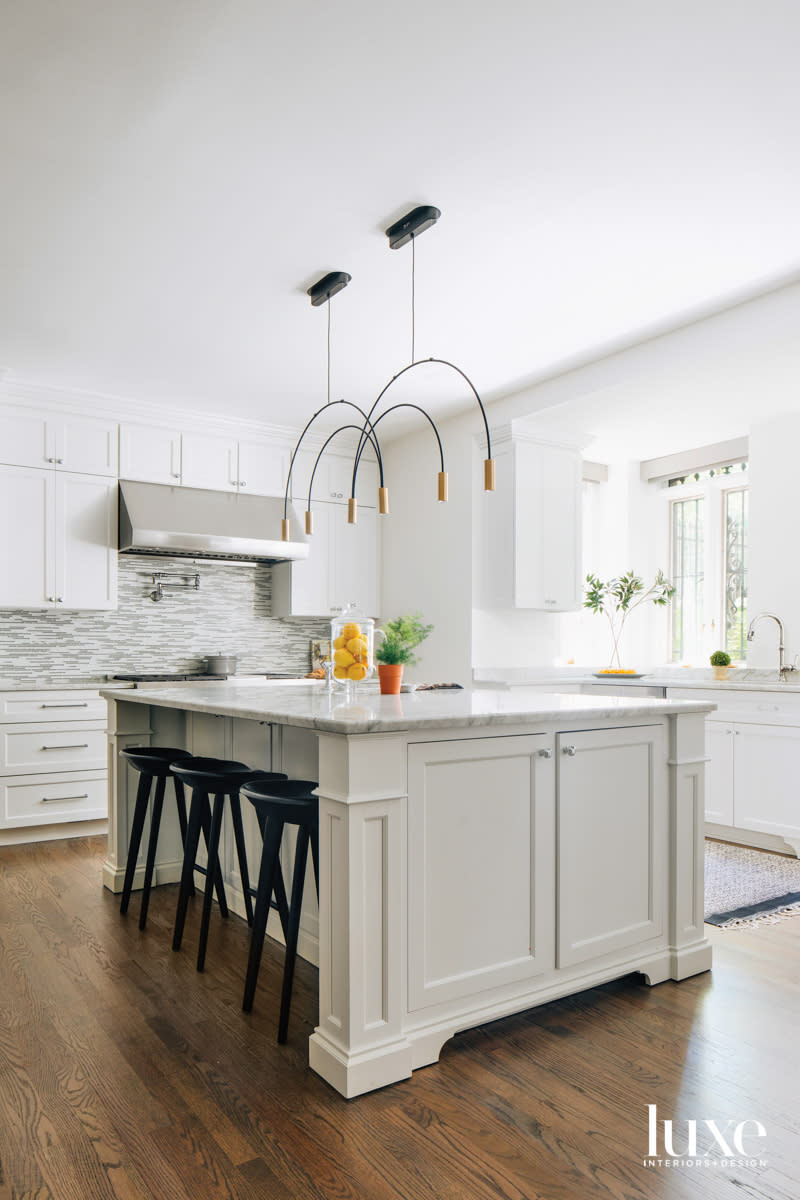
(176, 174)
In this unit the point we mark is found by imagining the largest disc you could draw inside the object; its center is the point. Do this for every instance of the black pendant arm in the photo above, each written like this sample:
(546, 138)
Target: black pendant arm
(371, 438)
(377, 421)
(421, 362)
(326, 408)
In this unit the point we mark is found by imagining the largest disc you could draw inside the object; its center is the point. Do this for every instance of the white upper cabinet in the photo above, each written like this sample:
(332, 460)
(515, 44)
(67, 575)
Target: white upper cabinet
(58, 547)
(342, 567)
(529, 529)
(224, 464)
(149, 453)
(262, 467)
(209, 461)
(36, 438)
(333, 479)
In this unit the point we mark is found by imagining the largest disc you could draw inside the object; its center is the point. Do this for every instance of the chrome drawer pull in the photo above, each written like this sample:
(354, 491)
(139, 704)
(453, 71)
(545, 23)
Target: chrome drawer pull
(83, 704)
(56, 799)
(570, 750)
(74, 746)
(545, 753)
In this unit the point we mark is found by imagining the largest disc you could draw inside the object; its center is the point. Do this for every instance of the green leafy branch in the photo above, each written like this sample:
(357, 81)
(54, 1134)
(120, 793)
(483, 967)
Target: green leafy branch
(617, 598)
(401, 636)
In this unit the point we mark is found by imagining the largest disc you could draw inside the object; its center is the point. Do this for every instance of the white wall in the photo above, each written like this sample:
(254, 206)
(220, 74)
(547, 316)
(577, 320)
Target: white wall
(774, 548)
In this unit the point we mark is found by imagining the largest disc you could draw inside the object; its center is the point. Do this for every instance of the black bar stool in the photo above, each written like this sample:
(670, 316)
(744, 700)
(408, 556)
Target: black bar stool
(152, 762)
(277, 805)
(222, 778)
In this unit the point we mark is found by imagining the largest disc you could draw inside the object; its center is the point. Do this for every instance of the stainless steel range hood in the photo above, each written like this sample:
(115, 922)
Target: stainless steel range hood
(155, 518)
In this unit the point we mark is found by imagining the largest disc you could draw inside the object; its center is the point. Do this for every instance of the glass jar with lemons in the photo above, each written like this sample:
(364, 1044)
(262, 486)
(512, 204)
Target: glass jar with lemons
(352, 644)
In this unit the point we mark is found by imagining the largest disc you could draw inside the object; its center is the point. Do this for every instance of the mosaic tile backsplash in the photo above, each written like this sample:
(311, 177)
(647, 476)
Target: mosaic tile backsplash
(229, 614)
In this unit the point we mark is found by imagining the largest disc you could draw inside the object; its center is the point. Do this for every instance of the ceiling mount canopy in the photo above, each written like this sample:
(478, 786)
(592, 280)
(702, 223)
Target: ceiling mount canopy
(330, 285)
(406, 230)
(412, 225)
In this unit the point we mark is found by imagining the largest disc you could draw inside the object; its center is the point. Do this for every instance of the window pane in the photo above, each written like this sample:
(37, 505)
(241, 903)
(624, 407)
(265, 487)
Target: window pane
(687, 575)
(735, 594)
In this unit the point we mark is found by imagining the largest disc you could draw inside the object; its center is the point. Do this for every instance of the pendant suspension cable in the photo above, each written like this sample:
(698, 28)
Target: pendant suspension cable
(413, 295)
(329, 352)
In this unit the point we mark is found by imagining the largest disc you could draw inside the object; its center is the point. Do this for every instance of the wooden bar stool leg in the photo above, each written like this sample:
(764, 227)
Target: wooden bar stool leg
(137, 825)
(155, 825)
(212, 869)
(218, 884)
(295, 904)
(278, 886)
(266, 883)
(180, 801)
(197, 811)
(241, 854)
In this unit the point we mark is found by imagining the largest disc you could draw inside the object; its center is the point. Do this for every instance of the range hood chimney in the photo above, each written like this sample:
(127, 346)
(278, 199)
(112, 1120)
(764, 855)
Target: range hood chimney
(156, 518)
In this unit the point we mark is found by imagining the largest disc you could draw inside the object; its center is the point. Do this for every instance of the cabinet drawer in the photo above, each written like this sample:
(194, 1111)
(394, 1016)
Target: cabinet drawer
(51, 706)
(42, 749)
(52, 799)
(757, 707)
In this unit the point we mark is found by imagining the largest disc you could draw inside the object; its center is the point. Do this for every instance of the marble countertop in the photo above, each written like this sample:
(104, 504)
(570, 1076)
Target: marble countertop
(741, 679)
(313, 707)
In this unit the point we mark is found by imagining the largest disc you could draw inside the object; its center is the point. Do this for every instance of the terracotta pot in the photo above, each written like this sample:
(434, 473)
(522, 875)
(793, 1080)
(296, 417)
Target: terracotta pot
(720, 672)
(390, 676)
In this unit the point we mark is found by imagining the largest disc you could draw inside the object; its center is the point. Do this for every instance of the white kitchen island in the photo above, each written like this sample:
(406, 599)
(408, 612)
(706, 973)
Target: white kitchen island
(481, 852)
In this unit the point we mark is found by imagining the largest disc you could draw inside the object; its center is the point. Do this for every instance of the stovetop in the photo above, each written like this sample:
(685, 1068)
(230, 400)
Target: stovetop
(165, 676)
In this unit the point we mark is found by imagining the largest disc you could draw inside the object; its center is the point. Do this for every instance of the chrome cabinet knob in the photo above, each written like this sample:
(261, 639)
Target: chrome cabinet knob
(570, 750)
(546, 753)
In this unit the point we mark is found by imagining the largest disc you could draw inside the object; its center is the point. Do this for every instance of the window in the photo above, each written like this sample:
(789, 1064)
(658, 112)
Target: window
(708, 522)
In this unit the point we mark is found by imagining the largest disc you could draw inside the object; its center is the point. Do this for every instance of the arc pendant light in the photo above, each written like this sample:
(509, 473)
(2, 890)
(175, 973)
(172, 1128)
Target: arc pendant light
(400, 234)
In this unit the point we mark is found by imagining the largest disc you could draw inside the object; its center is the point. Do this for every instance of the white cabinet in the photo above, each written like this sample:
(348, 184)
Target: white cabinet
(341, 568)
(333, 479)
(225, 464)
(529, 529)
(57, 540)
(53, 763)
(753, 772)
(611, 832)
(150, 453)
(35, 438)
(489, 920)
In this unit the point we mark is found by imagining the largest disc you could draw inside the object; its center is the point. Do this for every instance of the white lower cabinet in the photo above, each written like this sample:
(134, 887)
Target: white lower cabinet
(342, 567)
(611, 827)
(58, 539)
(529, 854)
(53, 763)
(753, 769)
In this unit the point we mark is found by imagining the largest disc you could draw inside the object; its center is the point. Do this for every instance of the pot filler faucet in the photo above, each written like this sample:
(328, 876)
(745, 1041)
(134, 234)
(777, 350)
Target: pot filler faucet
(751, 633)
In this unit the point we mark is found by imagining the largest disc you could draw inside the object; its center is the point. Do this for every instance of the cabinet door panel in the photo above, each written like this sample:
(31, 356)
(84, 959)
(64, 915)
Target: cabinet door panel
(611, 834)
(354, 563)
(480, 865)
(150, 454)
(263, 467)
(89, 446)
(767, 769)
(547, 524)
(719, 773)
(302, 589)
(27, 558)
(209, 461)
(25, 440)
(86, 539)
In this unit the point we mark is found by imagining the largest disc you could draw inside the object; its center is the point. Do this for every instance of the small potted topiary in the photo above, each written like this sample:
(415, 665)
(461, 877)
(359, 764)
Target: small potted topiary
(400, 638)
(720, 660)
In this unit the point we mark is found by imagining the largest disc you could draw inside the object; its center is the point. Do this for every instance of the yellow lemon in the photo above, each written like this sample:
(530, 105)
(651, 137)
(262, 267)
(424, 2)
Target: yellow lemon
(351, 630)
(343, 658)
(357, 647)
(357, 671)
(340, 672)
(339, 643)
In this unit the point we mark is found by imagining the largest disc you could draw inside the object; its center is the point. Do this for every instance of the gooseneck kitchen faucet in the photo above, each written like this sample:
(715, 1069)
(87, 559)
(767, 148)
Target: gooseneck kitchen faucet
(751, 633)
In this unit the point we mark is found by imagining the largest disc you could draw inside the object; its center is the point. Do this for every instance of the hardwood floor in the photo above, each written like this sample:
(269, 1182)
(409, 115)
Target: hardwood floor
(125, 1074)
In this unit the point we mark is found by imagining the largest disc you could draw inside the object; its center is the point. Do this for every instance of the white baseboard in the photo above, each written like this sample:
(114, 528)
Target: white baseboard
(52, 833)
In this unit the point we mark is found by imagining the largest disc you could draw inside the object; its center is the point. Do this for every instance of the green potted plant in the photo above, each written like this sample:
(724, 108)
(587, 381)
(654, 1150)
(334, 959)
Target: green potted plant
(720, 660)
(400, 638)
(617, 599)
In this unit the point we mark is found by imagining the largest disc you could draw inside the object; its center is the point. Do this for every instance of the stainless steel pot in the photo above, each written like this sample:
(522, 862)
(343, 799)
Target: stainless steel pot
(221, 664)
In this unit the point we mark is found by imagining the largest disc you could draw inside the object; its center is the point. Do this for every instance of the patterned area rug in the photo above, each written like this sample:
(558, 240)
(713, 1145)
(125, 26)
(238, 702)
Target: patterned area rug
(749, 887)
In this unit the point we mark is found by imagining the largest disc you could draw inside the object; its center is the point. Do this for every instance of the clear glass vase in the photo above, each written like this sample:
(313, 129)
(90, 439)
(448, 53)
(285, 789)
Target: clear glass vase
(352, 649)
